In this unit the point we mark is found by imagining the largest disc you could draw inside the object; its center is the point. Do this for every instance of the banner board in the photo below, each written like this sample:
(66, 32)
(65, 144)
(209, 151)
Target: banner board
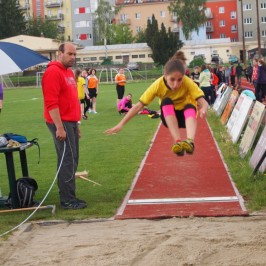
(252, 128)
(221, 100)
(229, 107)
(239, 116)
(259, 152)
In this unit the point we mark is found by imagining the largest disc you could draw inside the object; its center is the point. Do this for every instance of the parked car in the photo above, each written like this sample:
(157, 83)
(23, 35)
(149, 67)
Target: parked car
(132, 66)
(216, 59)
(233, 59)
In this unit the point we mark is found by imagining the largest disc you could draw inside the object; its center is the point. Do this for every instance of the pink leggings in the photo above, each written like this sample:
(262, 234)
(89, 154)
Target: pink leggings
(170, 110)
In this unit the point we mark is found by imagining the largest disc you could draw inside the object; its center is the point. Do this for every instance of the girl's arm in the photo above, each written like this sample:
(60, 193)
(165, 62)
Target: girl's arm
(132, 112)
(203, 107)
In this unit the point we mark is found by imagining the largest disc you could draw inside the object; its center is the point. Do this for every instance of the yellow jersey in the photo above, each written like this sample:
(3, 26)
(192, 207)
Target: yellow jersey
(188, 93)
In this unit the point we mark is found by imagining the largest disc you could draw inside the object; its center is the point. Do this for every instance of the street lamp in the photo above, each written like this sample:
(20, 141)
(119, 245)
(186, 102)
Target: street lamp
(243, 35)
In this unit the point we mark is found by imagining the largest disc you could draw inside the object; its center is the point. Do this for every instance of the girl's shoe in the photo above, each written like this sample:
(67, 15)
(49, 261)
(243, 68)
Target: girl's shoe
(188, 146)
(178, 149)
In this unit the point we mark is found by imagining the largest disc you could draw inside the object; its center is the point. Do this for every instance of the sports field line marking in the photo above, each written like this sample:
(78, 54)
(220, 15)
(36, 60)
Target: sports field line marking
(182, 200)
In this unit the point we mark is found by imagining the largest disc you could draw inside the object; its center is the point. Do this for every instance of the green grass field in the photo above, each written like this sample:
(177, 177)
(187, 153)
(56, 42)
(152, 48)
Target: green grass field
(111, 161)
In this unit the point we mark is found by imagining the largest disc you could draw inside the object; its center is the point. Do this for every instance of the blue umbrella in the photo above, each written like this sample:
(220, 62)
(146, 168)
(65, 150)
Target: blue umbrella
(16, 58)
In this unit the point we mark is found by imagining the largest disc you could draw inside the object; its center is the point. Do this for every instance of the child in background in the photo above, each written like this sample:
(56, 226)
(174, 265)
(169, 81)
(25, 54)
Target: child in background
(125, 104)
(179, 100)
(120, 80)
(93, 90)
(81, 90)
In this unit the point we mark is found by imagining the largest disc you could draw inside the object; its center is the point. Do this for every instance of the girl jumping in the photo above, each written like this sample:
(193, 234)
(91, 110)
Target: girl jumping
(179, 101)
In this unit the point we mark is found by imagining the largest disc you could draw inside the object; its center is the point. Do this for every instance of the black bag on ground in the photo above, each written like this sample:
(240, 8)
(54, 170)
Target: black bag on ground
(26, 187)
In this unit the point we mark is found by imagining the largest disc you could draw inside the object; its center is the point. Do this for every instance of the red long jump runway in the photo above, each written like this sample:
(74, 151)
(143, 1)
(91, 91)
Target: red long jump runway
(167, 185)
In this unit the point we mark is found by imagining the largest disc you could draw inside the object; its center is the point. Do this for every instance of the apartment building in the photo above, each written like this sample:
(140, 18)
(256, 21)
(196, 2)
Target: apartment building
(222, 17)
(253, 23)
(74, 18)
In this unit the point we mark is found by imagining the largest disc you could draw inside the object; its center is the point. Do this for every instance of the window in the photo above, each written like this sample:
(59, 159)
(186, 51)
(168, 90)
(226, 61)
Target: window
(93, 58)
(126, 1)
(82, 10)
(233, 14)
(246, 7)
(222, 35)
(135, 56)
(247, 20)
(138, 29)
(83, 37)
(263, 19)
(263, 33)
(123, 17)
(208, 23)
(149, 55)
(222, 23)
(82, 24)
(248, 34)
(234, 28)
(234, 40)
(118, 57)
(263, 5)
(209, 36)
(162, 14)
(137, 15)
(221, 9)
(142, 56)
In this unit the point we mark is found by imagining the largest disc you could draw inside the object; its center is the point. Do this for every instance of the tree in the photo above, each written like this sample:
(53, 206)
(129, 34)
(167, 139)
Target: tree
(191, 13)
(11, 19)
(121, 34)
(140, 37)
(151, 32)
(163, 44)
(37, 27)
(105, 14)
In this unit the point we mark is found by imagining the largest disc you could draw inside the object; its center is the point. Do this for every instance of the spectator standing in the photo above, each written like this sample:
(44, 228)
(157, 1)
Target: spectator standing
(221, 75)
(233, 75)
(195, 74)
(239, 70)
(62, 112)
(93, 90)
(81, 85)
(227, 71)
(248, 73)
(255, 74)
(261, 82)
(120, 80)
(205, 83)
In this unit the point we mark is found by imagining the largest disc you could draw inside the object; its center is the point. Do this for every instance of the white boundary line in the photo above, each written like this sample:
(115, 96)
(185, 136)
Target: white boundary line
(240, 198)
(182, 200)
(126, 199)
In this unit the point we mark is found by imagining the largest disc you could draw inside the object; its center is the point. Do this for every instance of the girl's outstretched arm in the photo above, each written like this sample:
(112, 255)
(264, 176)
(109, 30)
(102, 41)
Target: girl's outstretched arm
(203, 107)
(131, 113)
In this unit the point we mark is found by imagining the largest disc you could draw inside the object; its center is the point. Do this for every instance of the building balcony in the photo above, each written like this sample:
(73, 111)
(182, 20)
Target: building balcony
(50, 4)
(209, 29)
(57, 17)
(61, 29)
(124, 21)
(209, 15)
(24, 7)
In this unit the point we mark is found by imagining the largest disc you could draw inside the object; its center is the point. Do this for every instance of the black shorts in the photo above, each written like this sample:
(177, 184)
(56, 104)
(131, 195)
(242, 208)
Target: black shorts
(92, 93)
(179, 116)
(82, 101)
(120, 91)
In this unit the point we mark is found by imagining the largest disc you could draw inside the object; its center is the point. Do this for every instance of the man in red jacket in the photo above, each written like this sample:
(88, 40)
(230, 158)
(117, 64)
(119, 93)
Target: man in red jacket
(62, 113)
